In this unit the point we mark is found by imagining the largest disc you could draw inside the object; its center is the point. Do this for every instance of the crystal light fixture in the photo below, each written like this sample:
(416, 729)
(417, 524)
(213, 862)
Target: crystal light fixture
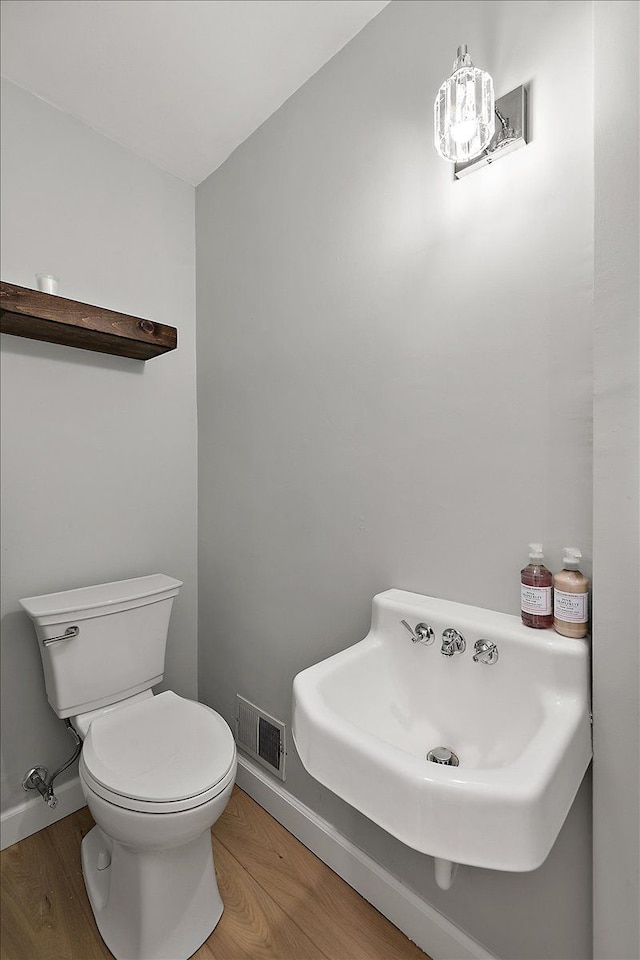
(464, 111)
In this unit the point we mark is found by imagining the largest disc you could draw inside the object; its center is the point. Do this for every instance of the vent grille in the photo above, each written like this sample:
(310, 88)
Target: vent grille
(261, 736)
(246, 726)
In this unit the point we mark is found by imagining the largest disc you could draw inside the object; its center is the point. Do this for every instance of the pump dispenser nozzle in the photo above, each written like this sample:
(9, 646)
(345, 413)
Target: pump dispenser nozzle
(535, 551)
(571, 559)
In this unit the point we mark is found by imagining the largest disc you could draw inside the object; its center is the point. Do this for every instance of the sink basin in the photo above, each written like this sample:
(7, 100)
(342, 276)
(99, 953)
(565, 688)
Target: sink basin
(365, 719)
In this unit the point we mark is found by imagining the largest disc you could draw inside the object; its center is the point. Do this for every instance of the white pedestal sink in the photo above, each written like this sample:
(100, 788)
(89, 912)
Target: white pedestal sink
(365, 719)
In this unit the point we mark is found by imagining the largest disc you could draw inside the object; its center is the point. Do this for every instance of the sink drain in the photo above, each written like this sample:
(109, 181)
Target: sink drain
(444, 756)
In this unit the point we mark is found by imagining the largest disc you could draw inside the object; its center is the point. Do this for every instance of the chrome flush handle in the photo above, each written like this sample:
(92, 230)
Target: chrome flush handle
(423, 633)
(67, 635)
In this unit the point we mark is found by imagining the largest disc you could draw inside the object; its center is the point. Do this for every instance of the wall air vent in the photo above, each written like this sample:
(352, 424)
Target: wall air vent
(261, 736)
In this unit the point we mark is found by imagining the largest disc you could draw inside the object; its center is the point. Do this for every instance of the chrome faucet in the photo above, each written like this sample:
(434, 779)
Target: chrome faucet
(452, 642)
(485, 652)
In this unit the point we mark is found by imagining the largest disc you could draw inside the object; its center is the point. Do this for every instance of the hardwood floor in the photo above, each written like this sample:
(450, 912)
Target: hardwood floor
(281, 902)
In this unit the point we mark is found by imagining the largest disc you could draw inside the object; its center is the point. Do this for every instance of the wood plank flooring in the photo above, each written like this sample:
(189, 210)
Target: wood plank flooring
(281, 902)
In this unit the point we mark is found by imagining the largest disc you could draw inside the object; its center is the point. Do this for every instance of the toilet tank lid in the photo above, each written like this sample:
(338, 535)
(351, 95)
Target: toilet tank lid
(100, 595)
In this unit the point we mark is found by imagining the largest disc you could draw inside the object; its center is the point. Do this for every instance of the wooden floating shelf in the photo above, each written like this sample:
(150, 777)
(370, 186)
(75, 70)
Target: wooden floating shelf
(43, 316)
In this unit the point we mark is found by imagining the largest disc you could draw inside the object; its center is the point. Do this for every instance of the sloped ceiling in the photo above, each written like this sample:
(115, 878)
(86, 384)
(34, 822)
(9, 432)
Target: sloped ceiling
(179, 82)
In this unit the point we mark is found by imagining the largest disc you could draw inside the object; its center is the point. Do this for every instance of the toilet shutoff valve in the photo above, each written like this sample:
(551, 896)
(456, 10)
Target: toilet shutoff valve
(36, 779)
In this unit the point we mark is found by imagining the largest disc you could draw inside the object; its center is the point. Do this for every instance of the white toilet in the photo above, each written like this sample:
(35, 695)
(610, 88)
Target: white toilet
(157, 771)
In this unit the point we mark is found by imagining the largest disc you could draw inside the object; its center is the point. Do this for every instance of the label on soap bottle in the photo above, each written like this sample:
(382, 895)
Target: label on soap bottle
(535, 599)
(571, 607)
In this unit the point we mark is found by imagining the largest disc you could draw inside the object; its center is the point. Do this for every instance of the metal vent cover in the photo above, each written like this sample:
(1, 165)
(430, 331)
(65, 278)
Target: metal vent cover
(261, 736)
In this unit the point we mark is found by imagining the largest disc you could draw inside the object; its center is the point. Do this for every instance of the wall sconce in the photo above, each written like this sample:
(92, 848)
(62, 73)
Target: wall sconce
(465, 113)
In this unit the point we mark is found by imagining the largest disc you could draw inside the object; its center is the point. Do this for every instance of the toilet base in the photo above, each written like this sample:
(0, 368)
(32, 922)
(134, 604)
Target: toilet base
(151, 904)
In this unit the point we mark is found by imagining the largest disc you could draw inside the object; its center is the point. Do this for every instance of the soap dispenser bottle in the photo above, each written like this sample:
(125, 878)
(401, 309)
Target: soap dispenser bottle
(535, 591)
(571, 597)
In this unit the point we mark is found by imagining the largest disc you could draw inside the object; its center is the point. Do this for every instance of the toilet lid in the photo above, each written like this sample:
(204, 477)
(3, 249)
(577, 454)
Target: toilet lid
(162, 749)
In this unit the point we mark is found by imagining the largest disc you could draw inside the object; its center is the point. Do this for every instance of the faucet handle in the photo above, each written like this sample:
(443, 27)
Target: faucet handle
(485, 652)
(423, 633)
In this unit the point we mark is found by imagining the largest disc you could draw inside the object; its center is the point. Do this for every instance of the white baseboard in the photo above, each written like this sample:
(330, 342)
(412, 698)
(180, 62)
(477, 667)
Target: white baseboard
(33, 814)
(419, 921)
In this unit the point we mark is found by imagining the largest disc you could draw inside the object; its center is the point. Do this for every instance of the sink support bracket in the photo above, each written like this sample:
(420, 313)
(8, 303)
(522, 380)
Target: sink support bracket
(445, 871)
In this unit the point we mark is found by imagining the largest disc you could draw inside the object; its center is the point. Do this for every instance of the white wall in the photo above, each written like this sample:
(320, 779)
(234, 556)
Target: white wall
(616, 620)
(394, 384)
(98, 452)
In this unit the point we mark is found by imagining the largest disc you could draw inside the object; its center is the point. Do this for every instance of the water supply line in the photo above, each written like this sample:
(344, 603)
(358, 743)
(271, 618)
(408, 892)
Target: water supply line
(37, 778)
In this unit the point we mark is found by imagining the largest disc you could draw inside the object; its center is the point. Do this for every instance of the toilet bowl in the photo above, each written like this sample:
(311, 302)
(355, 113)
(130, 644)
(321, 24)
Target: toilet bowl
(156, 770)
(156, 775)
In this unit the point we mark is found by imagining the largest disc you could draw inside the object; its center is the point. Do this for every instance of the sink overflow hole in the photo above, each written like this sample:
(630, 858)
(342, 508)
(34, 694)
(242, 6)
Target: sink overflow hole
(444, 756)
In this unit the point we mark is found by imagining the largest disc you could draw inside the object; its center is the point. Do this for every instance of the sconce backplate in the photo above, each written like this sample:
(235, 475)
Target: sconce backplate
(513, 107)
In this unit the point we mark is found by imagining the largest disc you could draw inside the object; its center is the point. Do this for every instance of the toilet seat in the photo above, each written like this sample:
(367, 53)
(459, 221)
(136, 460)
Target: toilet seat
(160, 755)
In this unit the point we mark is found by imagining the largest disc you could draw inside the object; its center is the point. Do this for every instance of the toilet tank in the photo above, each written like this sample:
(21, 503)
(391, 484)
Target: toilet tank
(115, 641)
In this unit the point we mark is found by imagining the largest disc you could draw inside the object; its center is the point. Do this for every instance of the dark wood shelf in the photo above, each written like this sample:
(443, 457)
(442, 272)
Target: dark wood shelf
(43, 316)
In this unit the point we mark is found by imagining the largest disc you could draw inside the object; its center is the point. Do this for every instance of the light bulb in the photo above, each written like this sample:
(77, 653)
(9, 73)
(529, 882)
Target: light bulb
(463, 131)
(464, 111)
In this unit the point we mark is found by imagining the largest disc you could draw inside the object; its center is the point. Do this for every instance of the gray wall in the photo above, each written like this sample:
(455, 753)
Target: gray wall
(616, 649)
(394, 387)
(98, 453)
